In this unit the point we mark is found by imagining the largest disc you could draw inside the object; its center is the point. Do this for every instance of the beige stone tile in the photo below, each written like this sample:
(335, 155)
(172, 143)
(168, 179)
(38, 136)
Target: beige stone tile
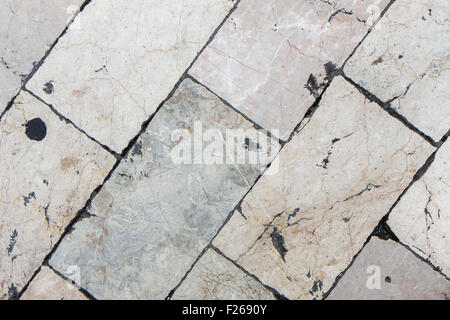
(216, 278)
(268, 53)
(27, 30)
(406, 59)
(47, 285)
(155, 215)
(300, 228)
(421, 219)
(119, 61)
(48, 170)
(385, 270)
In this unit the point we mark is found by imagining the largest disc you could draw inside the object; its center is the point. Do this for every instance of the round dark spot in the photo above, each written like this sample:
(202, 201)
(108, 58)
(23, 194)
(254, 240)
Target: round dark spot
(388, 279)
(36, 129)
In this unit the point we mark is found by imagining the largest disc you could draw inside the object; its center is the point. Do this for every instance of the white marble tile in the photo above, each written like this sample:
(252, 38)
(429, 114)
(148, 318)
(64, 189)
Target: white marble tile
(27, 30)
(385, 270)
(271, 59)
(48, 170)
(154, 216)
(119, 61)
(216, 278)
(300, 228)
(47, 285)
(421, 219)
(406, 60)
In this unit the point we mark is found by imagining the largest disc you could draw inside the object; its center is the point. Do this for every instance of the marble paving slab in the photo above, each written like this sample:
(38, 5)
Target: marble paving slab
(272, 59)
(406, 61)
(385, 270)
(216, 278)
(27, 30)
(154, 217)
(48, 171)
(47, 285)
(421, 219)
(297, 230)
(119, 60)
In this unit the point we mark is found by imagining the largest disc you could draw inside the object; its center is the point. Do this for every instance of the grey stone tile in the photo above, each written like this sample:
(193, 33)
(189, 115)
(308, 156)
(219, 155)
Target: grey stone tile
(385, 270)
(154, 216)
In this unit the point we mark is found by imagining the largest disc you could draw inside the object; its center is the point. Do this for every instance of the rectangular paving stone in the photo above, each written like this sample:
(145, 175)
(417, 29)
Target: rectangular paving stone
(216, 278)
(27, 30)
(47, 285)
(406, 61)
(271, 60)
(48, 171)
(385, 270)
(299, 229)
(421, 219)
(120, 60)
(155, 215)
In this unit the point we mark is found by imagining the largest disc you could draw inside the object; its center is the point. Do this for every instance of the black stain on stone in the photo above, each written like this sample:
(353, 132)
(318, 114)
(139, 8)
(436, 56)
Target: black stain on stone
(12, 241)
(26, 199)
(317, 286)
(48, 87)
(251, 145)
(13, 293)
(5, 63)
(388, 279)
(313, 86)
(36, 129)
(278, 242)
(137, 149)
(331, 71)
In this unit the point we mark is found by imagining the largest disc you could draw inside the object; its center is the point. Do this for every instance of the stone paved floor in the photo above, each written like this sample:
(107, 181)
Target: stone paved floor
(225, 149)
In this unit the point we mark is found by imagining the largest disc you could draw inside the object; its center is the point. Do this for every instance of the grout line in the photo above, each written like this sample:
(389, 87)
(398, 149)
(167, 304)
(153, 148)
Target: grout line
(68, 121)
(387, 107)
(255, 125)
(275, 293)
(81, 290)
(425, 260)
(368, 32)
(80, 215)
(37, 65)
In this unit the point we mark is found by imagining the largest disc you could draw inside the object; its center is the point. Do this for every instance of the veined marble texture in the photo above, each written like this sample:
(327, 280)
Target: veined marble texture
(215, 278)
(120, 59)
(48, 170)
(272, 59)
(421, 219)
(47, 285)
(297, 230)
(385, 270)
(27, 30)
(406, 61)
(153, 218)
